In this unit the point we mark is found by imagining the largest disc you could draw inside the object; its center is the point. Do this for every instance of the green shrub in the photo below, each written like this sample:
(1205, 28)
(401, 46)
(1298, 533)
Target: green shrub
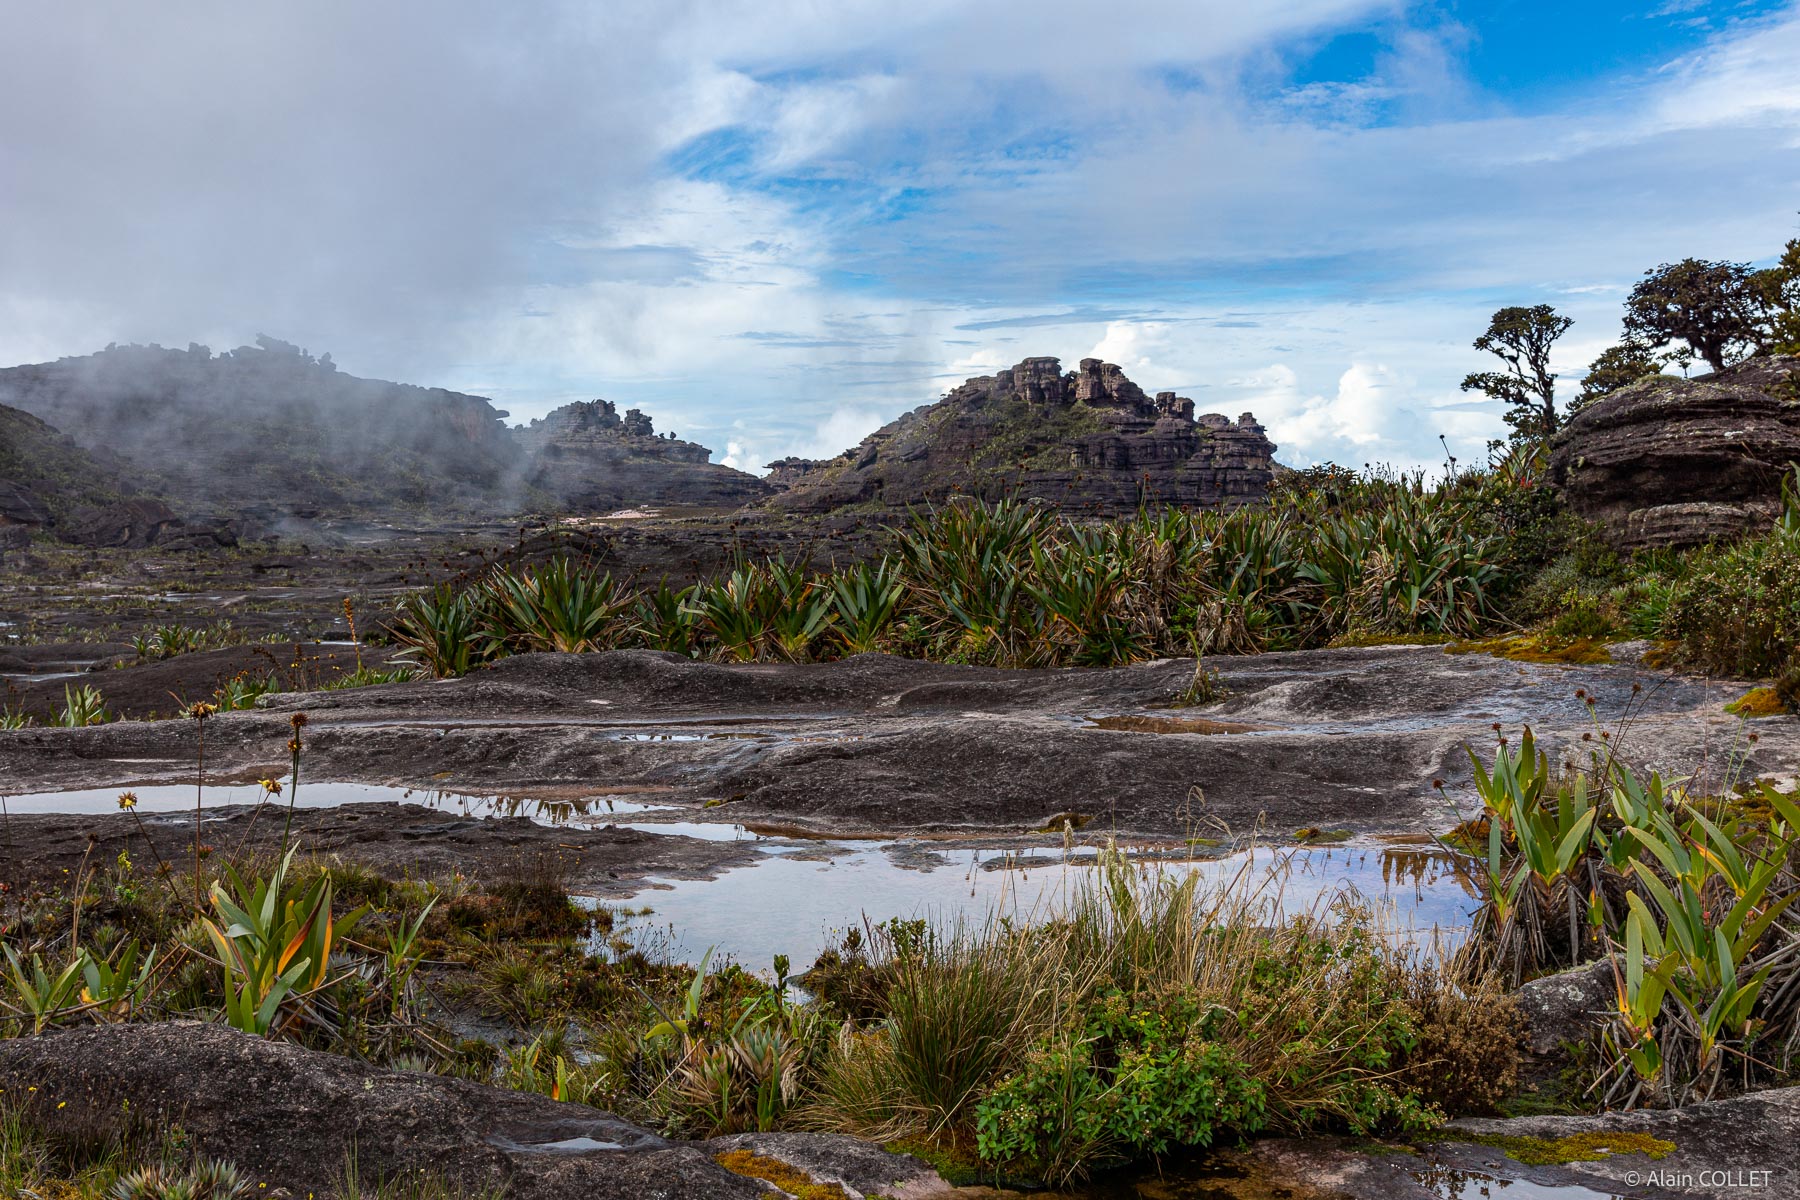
(1737, 612)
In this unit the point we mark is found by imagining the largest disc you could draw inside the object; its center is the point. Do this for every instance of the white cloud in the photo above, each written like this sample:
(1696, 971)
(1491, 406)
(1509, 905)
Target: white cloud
(462, 195)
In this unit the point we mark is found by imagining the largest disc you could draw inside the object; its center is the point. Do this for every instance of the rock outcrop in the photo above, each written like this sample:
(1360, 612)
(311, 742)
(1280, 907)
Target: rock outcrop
(271, 424)
(585, 457)
(291, 1118)
(1090, 440)
(1676, 462)
(273, 431)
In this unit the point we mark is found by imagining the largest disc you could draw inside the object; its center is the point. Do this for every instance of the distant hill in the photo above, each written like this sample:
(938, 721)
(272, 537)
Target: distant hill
(46, 478)
(270, 424)
(1087, 440)
(270, 427)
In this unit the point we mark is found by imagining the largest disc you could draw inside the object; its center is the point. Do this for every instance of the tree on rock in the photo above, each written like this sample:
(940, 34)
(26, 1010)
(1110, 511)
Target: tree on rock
(1777, 290)
(1521, 338)
(1711, 307)
(1618, 366)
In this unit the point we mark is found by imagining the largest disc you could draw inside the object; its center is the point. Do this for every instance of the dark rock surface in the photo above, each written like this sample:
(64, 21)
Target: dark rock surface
(1089, 440)
(127, 525)
(1675, 462)
(161, 687)
(587, 458)
(874, 744)
(289, 1116)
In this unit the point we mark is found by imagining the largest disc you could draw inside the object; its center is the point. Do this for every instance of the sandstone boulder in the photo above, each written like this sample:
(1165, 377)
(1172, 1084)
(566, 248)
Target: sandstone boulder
(1677, 462)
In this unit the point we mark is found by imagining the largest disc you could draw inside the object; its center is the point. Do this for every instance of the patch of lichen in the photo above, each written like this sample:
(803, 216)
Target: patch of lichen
(1592, 1146)
(1537, 648)
(1757, 702)
(789, 1179)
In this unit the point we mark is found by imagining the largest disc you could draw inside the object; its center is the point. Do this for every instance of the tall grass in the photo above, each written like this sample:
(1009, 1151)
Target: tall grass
(1153, 1014)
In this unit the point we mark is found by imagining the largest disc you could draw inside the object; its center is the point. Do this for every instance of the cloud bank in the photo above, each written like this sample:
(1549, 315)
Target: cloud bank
(776, 225)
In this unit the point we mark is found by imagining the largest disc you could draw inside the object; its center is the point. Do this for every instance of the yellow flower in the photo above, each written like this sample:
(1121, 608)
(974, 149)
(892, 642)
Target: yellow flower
(127, 801)
(270, 786)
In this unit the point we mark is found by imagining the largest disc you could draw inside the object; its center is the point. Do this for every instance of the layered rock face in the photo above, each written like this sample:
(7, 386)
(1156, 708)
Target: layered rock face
(588, 458)
(1089, 440)
(1677, 462)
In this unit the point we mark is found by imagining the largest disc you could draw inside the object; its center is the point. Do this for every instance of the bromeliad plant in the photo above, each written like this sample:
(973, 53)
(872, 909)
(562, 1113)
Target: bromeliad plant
(1689, 897)
(273, 946)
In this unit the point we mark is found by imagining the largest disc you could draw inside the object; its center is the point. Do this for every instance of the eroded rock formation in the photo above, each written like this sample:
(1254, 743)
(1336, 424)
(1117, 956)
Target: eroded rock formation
(1089, 439)
(588, 458)
(1676, 462)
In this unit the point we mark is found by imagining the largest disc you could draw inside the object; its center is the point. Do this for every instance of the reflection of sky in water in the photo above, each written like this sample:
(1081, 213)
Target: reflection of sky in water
(179, 797)
(798, 906)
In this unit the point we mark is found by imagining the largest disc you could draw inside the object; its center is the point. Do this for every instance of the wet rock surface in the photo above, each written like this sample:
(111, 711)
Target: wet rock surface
(288, 1116)
(1349, 739)
(141, 689)
(400, 840)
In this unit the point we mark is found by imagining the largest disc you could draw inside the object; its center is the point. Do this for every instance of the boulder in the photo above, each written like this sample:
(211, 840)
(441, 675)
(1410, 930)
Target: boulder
(289, 1117)
(1676, 462)
(21, 506)
(129, 524)
(1568, 1007)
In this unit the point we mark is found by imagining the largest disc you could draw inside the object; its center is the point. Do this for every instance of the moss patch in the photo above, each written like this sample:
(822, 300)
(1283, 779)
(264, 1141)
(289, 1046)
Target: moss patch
(1594, 1146)
(1073, 820)
(1757, 702)
(1311, 836)
(789, 1179)
(1537, 648)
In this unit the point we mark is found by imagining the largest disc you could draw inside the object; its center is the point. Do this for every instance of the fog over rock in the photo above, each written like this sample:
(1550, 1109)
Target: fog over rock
(271, 429)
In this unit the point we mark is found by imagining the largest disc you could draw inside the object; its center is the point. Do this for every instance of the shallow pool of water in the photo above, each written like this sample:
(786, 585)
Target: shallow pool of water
(179, 797)
(798, 905)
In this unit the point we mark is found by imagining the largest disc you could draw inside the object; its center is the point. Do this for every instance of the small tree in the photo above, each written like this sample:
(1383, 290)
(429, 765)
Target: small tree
(1521, 338)
(1709, 306)
(1618, 366)
(1777, 291)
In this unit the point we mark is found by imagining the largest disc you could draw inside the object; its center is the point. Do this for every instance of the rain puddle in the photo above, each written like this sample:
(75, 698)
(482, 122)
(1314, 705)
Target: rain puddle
(799, 903)
(1452, 1184)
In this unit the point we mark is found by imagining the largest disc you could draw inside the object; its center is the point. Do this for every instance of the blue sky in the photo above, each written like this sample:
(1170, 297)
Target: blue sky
(777, 224)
